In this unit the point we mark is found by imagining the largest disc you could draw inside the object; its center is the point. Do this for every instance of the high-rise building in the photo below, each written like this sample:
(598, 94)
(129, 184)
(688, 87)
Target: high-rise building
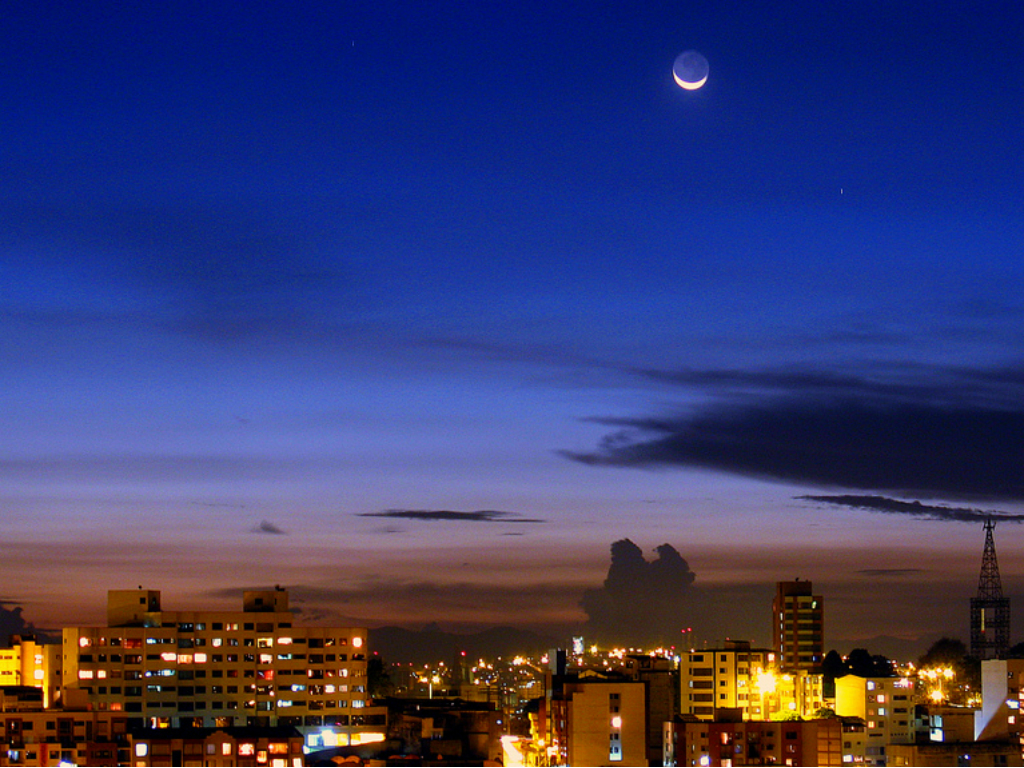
(798, 627)
(990, 611)
(223, 668)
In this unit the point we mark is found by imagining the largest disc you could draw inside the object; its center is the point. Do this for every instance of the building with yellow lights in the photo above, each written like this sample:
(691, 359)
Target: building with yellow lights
(738, 677)
(223, 668)
(886, 704)
(32, 664)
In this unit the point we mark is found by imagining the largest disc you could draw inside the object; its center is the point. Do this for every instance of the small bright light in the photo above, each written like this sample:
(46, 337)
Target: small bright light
(616, 722)
(357, 642)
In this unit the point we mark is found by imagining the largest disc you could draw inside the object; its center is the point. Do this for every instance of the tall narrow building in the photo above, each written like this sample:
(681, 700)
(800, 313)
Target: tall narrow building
(990, 611)
(798, 627)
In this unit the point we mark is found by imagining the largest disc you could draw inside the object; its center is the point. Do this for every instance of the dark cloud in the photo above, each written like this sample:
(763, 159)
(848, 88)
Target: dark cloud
(923, 449)
(640, 602)
(890, 572)
(480, 516)
(915, 508)
(267, 527)
(12, 623)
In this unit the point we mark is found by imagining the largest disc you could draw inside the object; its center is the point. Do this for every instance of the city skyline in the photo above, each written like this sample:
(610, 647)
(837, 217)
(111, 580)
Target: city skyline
(417, 310)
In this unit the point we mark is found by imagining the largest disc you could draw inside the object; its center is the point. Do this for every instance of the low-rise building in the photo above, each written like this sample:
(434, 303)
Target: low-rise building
(939, 755)
(885, 704)
(699, 743)
(270, 747)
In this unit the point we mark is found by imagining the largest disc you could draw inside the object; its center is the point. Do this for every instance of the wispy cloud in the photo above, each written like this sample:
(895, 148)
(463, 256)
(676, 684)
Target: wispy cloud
(882, 573)
(915, 508)
(267, 527)
(480, 516)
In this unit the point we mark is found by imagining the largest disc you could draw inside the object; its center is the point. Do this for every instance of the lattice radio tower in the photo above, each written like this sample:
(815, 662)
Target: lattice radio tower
(990, 611)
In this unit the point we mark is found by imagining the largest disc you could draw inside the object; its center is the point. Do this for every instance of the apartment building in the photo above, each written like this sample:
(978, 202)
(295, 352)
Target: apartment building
(223, 668)
(885, 704)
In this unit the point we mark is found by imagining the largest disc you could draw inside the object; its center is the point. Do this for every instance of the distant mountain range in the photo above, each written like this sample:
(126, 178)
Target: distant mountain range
(431, 644)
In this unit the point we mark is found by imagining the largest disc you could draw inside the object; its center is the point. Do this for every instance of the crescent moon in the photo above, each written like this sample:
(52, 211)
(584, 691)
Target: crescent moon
(689, 86)
(690, 70)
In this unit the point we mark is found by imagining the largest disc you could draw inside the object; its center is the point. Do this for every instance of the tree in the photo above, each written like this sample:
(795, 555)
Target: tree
(378, 682)
(944, 652)
(951, 653)
(863, 664)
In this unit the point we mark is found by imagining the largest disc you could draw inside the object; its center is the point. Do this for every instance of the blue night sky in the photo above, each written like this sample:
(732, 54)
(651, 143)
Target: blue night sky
(282, 282)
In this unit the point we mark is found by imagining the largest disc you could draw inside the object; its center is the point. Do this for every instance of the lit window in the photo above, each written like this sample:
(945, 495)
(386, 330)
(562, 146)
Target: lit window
(200, 658)
(185, 658)
(616, 722)
(169, 656)
(101, 673)
(357, 642)
(141, 749)
(225, 748)
(881, 711)
(1011, 719)
(85, 674)
(217, 642)
(881, 698)
(284, 641)
(38, 674)
(871, 685)
(246, 749)
(84, 642)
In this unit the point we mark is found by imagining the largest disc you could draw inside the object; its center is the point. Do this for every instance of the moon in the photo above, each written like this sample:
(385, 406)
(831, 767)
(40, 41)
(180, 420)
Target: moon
(690, 70)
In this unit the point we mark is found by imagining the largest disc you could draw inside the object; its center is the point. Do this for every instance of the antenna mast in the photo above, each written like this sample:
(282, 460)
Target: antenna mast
(990, 611)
